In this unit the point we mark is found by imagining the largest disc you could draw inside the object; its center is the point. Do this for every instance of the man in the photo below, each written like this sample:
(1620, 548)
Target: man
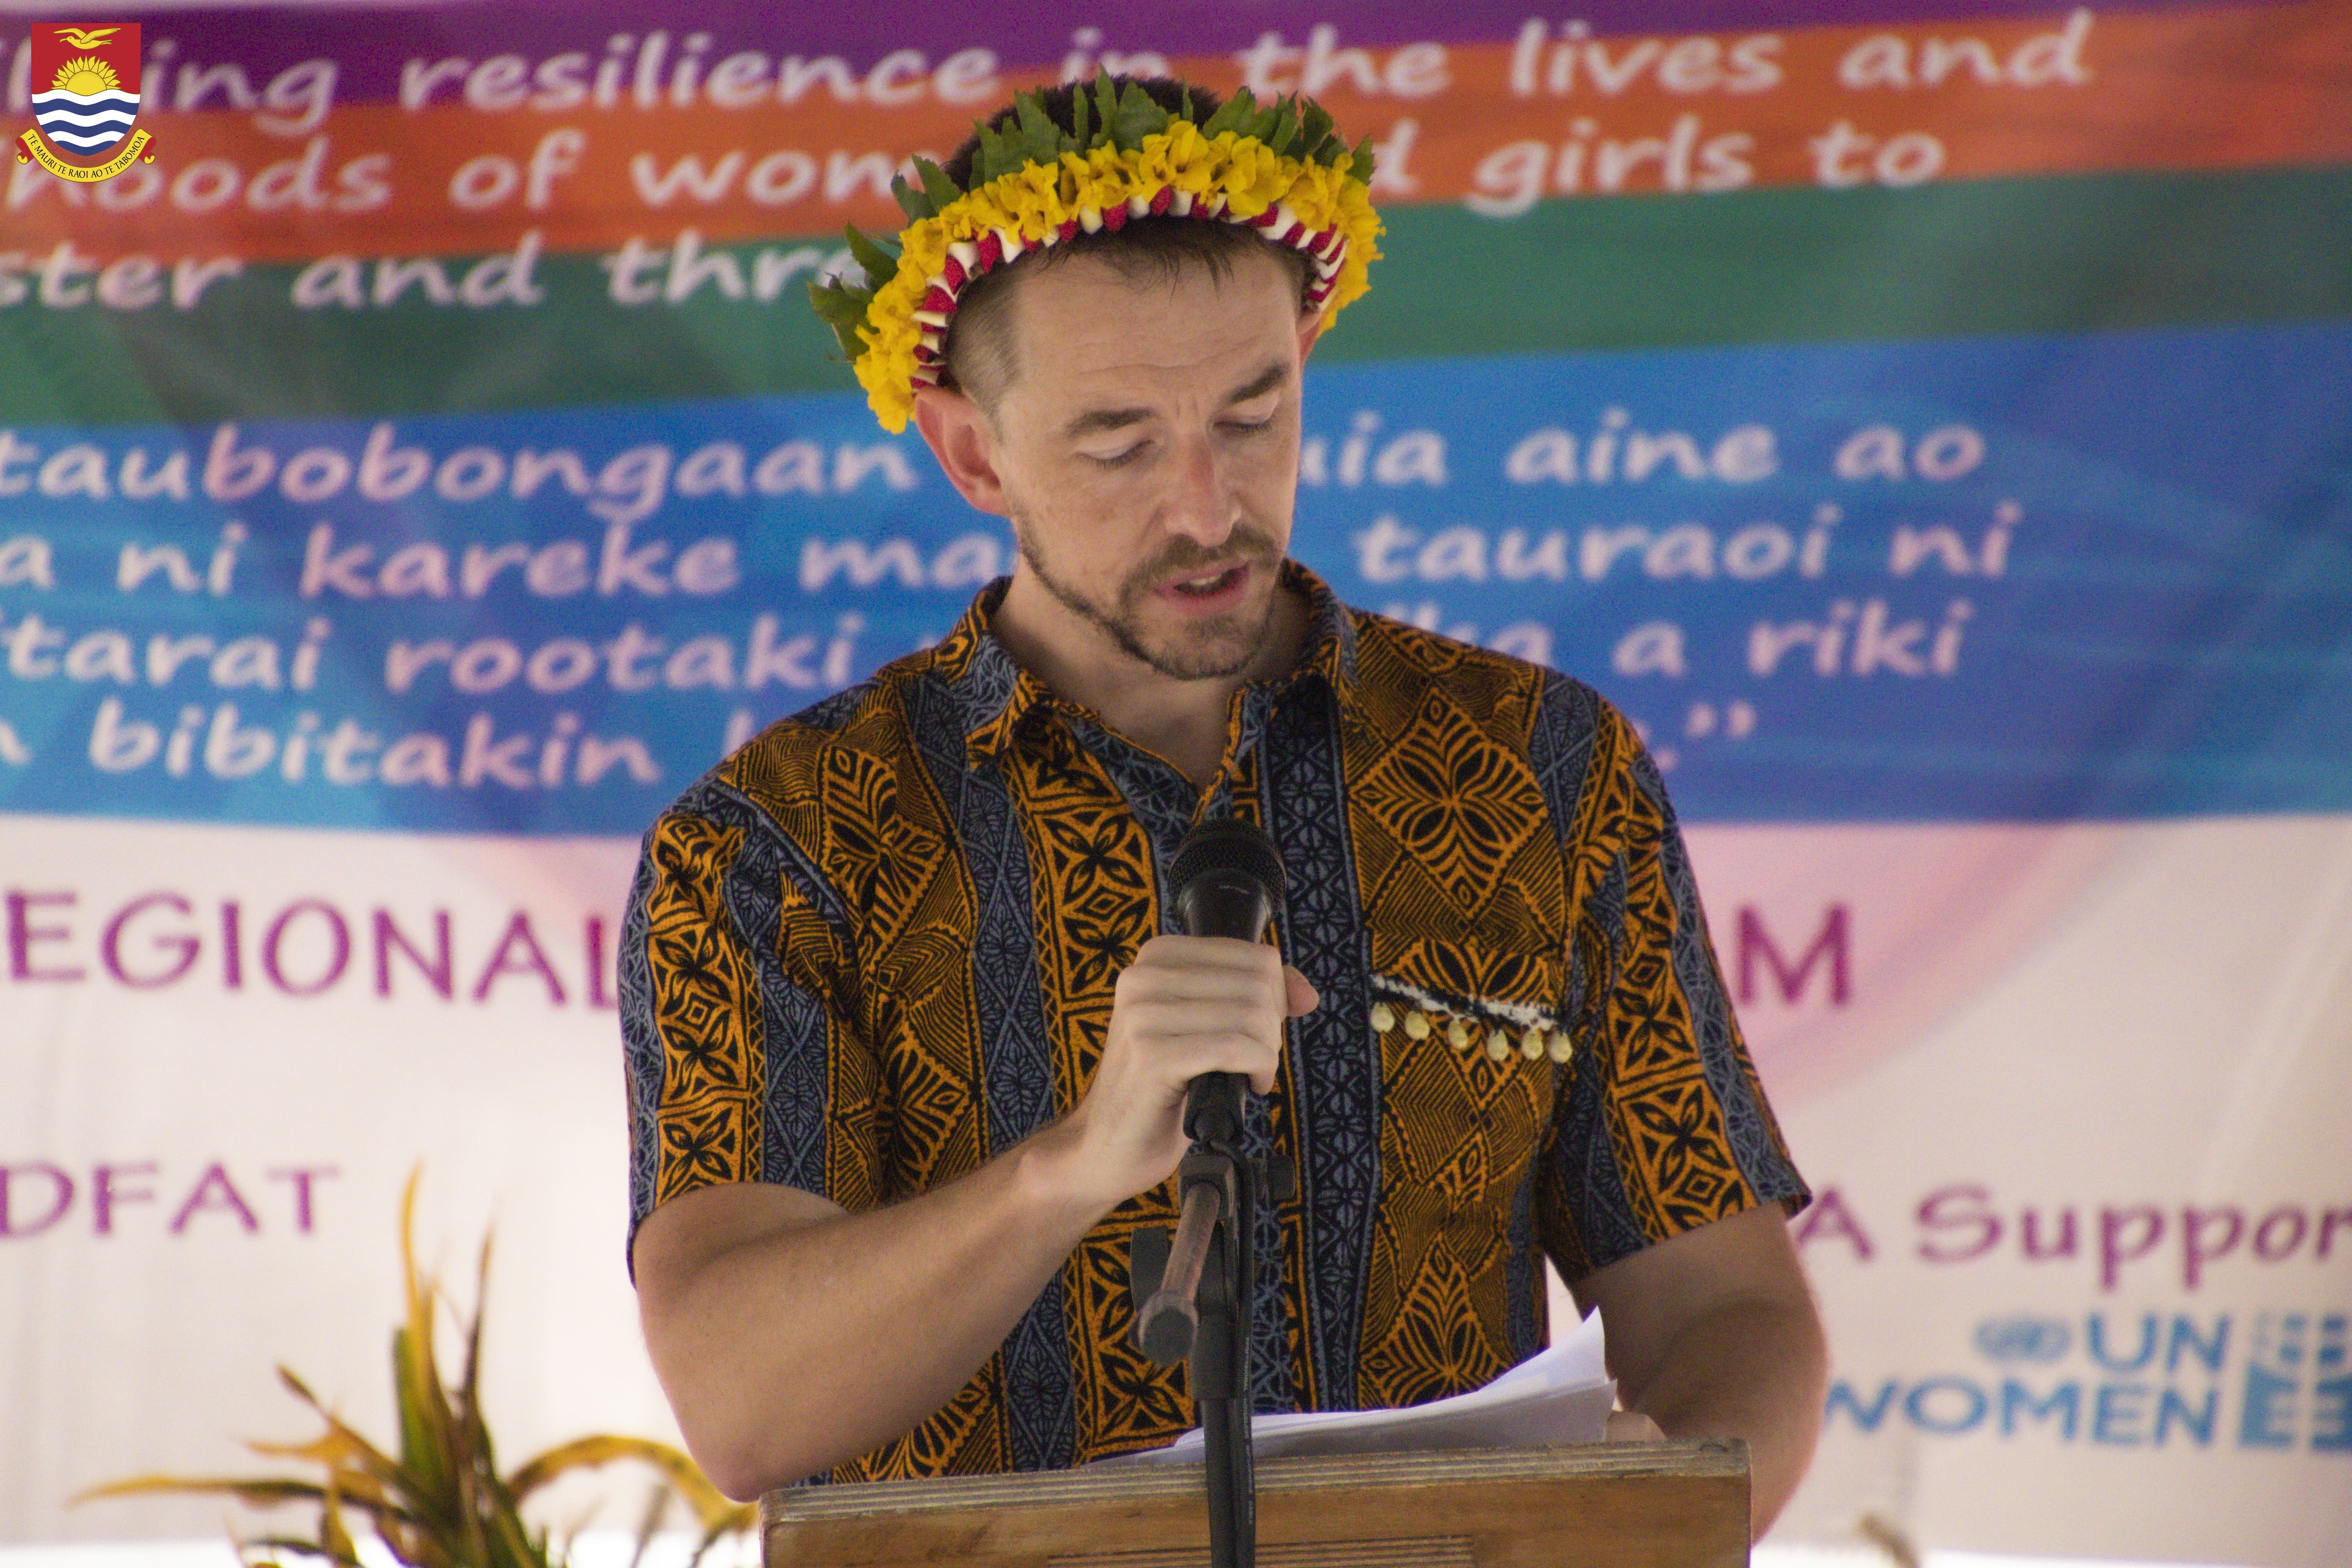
(908, 1033)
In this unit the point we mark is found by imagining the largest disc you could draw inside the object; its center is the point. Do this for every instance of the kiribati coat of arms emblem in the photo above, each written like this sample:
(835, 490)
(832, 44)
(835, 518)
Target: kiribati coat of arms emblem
(85, 82)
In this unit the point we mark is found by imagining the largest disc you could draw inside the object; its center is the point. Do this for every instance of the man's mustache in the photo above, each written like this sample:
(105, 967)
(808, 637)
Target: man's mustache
(1189, 557)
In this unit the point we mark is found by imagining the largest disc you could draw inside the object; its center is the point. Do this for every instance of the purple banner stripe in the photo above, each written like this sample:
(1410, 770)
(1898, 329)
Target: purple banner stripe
(371, 47)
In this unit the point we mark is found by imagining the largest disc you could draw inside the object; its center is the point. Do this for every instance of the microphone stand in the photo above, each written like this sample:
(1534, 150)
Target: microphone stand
(1193, 1294)
(1193, 1297)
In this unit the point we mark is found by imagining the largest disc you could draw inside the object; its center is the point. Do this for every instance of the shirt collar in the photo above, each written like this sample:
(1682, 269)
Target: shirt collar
(994, 695)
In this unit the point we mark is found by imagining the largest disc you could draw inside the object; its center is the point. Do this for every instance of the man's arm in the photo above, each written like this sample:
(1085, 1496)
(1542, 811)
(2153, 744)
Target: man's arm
(1713, 1333)
(792, 1335)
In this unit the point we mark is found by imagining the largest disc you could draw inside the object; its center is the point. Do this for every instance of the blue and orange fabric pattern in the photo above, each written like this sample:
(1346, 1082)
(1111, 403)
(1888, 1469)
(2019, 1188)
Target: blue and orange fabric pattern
(875, 948)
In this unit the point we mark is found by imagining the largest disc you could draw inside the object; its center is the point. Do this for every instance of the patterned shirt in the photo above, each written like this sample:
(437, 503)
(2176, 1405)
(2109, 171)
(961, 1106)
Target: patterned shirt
(875, 948)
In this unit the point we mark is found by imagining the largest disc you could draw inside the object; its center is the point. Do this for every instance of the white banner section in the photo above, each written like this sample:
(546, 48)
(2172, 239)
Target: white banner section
(2074, 1098)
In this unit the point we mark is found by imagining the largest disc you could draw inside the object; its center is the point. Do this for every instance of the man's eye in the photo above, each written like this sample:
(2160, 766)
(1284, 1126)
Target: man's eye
(1118, 459)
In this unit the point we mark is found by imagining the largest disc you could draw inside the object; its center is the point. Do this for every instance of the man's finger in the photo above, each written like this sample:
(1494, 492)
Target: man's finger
(1633, 1426)
(1300, 995)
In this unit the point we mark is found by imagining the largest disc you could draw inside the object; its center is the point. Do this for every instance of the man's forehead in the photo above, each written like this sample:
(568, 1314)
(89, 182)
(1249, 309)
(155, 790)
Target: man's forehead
(1085, 327)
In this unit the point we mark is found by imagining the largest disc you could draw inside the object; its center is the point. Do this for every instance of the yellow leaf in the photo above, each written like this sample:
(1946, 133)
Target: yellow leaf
(258, 1492)
(442, 1503)
(709, 1504)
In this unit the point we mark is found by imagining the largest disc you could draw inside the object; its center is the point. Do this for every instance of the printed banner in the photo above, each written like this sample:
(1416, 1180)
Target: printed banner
(1928, 419)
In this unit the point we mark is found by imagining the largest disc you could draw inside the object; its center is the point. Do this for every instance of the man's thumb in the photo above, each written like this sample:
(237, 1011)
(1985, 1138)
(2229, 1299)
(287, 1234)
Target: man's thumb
(1299, 994)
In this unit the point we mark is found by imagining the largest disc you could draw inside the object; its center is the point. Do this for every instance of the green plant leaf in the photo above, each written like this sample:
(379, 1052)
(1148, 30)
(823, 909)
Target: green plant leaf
(937, 185)
(587, 1453)
(999, 155)
(307, 1548)
(1138, 117)
(1284, 130)
(341, 1451)
(1359, 161)
(254, 1491)
(1314, 132)
(1106, 109)
(878, 265)
(912, 201)
(1082, 134)
(333, 1535)
(417, 1394)
(423, 1454)
(442, 1504)
(648, 1523)
(746, 1517)
(1041, 139)
(843, 309)
(478, 1450)
(1235, 114)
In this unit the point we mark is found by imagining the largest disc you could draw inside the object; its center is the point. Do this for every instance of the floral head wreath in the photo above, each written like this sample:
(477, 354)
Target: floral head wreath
(1281, 169)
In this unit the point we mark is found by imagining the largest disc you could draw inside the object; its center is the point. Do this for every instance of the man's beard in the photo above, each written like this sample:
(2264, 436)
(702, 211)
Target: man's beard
(1220, 645)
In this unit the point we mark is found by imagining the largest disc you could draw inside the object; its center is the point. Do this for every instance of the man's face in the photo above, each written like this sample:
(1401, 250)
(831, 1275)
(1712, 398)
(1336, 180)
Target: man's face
(1147, 445)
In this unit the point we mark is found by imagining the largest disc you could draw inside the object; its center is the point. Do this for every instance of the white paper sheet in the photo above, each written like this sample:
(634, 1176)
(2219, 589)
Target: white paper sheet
(1562, 1394)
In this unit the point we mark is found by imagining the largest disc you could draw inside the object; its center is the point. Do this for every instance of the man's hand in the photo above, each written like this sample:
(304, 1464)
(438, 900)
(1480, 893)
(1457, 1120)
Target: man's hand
(762, 1306)
(1632, 1427)
(1188, 1005)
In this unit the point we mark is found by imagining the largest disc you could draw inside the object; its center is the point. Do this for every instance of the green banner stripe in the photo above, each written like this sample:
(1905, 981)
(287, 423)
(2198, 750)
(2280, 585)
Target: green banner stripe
(1768, 266)
(1805, 265)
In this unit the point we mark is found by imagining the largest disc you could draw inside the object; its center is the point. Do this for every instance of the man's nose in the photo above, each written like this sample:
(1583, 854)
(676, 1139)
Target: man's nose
(1203, 505)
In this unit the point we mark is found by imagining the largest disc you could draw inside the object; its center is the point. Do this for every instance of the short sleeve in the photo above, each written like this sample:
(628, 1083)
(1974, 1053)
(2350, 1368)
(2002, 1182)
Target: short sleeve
(738, 1025)
(1664, 1126)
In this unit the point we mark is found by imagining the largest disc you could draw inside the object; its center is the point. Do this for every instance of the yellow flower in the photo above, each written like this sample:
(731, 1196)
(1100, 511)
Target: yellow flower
(1096, 191)
(1256, 177)
(1028, 201)
(1039, 198)
(923, 249)
(1153, 166)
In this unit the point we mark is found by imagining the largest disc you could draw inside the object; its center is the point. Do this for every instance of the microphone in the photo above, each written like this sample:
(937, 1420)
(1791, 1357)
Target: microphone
(1228, 878)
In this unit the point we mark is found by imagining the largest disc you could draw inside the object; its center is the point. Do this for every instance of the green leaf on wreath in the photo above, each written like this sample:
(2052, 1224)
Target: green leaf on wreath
(1136, 117)
(936, 184)
(878, 265)
(1041, 139)
(1231, 115)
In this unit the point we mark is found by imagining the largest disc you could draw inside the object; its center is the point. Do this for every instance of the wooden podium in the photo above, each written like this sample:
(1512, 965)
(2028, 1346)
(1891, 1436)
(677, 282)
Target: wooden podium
(1607, 1505)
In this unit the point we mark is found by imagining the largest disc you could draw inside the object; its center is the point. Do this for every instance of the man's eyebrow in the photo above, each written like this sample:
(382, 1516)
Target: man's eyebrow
(1260, 384)
(1086, 424)
(1097, 419)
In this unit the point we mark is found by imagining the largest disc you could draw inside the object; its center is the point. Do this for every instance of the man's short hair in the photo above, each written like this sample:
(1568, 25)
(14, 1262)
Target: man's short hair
(979, 349)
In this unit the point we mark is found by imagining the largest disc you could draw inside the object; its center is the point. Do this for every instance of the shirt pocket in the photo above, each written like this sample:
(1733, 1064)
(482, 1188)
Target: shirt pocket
(1474, 1049)
(1474, 996)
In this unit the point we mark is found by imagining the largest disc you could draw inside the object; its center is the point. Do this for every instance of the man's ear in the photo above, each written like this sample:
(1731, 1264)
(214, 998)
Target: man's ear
(960, 436)
(1310, 328)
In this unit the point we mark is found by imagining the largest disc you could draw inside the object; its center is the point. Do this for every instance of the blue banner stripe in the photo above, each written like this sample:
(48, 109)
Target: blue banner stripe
(2030, 578)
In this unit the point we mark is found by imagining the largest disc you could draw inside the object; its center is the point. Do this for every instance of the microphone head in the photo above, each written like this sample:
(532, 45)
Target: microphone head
(1232, 846)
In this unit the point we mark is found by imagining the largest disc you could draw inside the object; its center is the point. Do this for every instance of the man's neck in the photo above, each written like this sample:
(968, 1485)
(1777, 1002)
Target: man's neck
(1183, 720)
